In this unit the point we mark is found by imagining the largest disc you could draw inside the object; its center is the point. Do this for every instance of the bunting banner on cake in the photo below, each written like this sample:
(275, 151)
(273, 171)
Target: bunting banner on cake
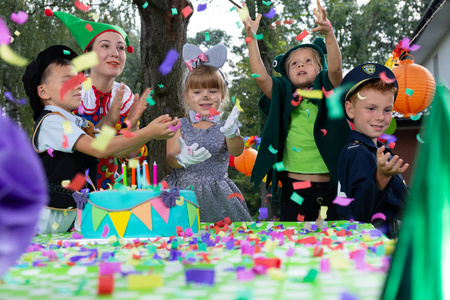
(161, 209)
(192, 213)
(120, 220)
(97, 216)
(144, 213)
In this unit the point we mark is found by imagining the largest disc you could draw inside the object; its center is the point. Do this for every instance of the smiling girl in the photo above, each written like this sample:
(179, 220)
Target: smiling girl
(107, 102)
(206, 168)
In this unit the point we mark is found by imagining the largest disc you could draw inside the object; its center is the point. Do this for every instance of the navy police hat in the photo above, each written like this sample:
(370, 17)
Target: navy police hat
(361, 74)
(33, 74)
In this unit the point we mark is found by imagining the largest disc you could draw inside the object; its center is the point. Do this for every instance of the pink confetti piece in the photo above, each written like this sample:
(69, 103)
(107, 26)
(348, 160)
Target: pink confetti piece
(386, 79)
(213, 112)
(77, 236)
(378, 216)
(302, 35)
(105, 231)
(325, 265)
(187, 11)
(414, 47)
(70, 84)
(65, 143)
(50, 152)
(405, 45)
(80, 110)
(324, 131)
(175, 128)
(327, 93)
(5, 35)
(298, 185)
(81, 6)
(342, 201)
(237, 195)
(88, 27)
(20, 17)
(290, 252)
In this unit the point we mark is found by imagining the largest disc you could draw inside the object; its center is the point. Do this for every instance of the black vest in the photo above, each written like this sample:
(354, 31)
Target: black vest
(62, 166)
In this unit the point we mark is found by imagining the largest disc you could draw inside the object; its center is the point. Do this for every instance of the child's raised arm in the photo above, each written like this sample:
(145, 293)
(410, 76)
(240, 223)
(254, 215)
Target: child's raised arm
(334, 60)
(121, 146)
(264, 80)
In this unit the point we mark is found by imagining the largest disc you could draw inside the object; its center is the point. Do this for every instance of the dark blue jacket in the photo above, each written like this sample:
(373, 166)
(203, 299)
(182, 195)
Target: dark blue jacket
(356, 178)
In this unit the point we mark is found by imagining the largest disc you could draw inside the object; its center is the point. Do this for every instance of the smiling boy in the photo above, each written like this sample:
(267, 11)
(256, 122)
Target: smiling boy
(367, 169)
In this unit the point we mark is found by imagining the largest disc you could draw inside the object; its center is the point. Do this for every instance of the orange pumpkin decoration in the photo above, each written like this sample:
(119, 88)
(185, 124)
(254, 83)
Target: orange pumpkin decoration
(416, 87)
(244, 163)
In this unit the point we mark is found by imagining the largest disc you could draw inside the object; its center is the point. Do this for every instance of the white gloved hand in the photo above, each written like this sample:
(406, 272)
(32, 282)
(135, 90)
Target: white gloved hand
(190, 155)
(232, 124)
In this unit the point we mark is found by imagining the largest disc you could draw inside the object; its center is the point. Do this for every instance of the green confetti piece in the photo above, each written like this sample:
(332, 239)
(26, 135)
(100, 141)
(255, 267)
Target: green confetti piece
(392, 127)
(238, 24)
(309, 114)
(255, 75)
(233, 99)
(272, 150)
(279, 166)
(150, 101)
(296, 149)
(66, 52)
(233, 8)
(259, 36)
(297, 198)
(267, 3)
(311, 276)
(145, 5)
(152, 92)
(419, 139)
(409, 92)
(174, 11)
(160, 86)
(151, 249)
(207, 38)
(334, 106)
(416, 117)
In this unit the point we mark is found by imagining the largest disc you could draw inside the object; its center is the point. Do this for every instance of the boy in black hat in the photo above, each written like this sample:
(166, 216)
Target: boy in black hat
(63, 140)
(367, 169)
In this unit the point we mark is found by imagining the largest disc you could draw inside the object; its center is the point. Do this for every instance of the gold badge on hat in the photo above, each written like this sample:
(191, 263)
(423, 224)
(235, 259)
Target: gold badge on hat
(369, 69)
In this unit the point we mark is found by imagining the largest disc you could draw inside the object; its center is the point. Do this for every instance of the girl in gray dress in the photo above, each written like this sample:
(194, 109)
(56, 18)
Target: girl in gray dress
(200, 151)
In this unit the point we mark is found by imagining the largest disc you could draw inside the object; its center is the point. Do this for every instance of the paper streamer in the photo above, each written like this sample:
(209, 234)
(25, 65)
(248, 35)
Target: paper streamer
(343, 201)
(10, 57)
(167, 65)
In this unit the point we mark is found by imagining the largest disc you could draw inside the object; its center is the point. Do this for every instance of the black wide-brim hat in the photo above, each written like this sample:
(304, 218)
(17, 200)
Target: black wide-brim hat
(33, 74)
(361, 74)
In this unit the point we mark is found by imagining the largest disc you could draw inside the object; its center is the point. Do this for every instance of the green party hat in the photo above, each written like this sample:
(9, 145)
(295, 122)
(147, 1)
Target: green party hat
(85, 32)
(419, 268)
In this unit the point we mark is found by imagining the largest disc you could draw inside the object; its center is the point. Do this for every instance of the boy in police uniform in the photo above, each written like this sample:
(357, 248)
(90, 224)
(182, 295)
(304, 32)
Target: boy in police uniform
(367, 169)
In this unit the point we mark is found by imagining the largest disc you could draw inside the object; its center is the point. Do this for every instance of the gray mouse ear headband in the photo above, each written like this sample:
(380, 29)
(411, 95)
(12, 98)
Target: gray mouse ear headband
(193, 57)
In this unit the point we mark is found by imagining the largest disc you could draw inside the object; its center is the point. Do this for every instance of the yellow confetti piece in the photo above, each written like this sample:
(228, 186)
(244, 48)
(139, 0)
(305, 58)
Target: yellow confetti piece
(221, 234)
(367, 237)
(243, 13)
(102, 140)
(112, 239)
(95, 17)
(65, 183)
(17, 33)
(276, 274)
(85, 61)
(144, 282)
(133, 163)
(330, 232)
(361, 97)
(314, 94)
(323, 212)
(67, 127)
(270, 245)
(238, 105)
(65, 212)
(338, 262)
(87, 84)
(244, 225)
(180, 201)
(55, 226)
(10, 57)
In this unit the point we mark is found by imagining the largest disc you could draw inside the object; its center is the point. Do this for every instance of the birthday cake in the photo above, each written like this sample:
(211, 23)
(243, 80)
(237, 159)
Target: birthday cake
(138, 213)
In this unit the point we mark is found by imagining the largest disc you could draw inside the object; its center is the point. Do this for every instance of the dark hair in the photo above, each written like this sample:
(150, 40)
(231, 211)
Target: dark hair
(374, 84)
(58, 62)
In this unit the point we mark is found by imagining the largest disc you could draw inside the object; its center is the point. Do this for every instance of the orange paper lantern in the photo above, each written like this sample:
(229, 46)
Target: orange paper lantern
(244, 163)
(416, 87)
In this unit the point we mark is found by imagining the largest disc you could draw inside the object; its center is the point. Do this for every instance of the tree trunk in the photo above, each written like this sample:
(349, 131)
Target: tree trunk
(160, 32)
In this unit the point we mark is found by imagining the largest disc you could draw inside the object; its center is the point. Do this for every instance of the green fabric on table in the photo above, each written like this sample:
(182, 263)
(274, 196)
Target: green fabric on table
(71, 271)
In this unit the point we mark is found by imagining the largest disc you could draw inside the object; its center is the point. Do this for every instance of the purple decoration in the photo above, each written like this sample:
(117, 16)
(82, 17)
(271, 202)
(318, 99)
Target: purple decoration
(5, 35)
(77, 236)
(375, 233)
(170, 198)
(201, 7)
(263, 213)
(352, 226)
(20, 18)
(348, 296)
(271, 13)
(80, 199)
(167, 65)
(230, 244)
(109, 268)
(200, 276)
(10, 97)
(23, 190)
(245, 275)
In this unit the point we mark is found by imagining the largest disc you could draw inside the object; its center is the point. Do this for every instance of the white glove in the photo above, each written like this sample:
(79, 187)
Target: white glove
(232, 124)
(189, 155)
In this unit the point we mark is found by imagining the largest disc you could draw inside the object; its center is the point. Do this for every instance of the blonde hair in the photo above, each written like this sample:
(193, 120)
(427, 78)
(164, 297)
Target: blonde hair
(206, 77)
(315, 54)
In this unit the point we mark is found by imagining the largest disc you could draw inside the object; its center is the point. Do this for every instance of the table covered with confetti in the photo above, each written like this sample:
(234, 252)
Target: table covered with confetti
(252, 260)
